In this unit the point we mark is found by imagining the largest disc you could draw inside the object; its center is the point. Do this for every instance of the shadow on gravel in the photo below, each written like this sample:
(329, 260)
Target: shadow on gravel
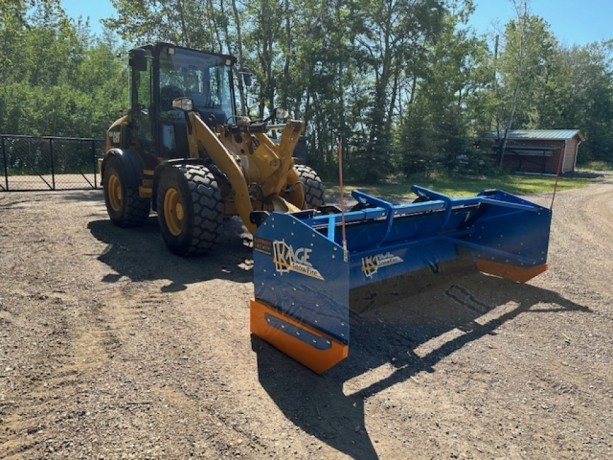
(141, 255)
(406, 337)
(84, 195)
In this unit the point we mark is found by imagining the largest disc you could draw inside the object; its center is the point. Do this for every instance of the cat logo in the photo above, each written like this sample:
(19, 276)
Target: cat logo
(115, 137)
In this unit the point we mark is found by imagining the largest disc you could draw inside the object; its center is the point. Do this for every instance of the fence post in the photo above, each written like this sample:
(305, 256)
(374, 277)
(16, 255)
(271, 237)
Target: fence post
(6, 169)
(94, 163)
(52, 165)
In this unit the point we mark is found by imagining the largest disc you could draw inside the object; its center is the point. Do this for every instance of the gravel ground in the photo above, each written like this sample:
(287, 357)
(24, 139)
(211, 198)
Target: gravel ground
(111, 347)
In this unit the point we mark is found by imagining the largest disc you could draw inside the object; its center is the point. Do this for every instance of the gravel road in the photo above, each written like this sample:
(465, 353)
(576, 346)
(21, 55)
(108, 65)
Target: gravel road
(113, 348)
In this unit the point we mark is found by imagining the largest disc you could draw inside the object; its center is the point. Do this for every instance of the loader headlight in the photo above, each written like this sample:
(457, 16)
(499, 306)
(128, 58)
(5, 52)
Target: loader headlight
(183, 103)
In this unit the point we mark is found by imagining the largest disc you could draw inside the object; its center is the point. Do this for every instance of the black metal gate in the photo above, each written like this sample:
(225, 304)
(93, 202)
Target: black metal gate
(30, 163)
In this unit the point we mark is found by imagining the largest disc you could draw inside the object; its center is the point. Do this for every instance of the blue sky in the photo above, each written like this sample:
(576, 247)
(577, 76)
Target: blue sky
(572, 21)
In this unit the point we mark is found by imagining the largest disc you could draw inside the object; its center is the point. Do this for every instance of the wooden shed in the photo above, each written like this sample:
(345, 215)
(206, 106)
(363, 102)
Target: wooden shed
(537, 150)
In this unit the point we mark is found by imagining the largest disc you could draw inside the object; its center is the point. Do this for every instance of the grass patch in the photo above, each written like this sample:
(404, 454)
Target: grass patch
(455, 186)
(596, 166)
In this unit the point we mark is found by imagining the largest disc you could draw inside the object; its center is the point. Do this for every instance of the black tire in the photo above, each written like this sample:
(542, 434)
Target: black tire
(123, 203)
(314, 193)
(190, 209)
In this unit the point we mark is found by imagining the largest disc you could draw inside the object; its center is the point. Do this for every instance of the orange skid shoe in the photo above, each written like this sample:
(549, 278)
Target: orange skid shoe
(303, 343)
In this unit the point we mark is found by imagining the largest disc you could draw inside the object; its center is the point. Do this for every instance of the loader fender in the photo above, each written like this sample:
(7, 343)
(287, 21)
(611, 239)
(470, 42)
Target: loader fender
(132, 162)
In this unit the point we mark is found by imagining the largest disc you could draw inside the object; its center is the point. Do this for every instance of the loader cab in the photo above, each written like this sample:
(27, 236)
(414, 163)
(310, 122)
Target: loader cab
(163, 72)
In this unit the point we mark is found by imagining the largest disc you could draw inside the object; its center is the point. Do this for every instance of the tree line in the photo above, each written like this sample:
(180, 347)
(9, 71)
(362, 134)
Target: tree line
(406, 85)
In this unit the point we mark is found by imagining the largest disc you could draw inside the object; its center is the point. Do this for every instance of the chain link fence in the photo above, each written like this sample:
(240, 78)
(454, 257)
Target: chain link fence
(30, 163)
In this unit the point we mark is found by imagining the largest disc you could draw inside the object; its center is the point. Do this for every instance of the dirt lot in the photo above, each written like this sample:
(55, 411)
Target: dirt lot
(111, 347)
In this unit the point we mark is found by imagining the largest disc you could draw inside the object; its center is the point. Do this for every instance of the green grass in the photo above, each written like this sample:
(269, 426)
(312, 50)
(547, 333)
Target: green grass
(454, 186)
(596, 166)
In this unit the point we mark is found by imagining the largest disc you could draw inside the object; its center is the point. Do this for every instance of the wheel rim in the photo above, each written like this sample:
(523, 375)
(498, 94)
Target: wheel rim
(114, 193)
(174, 212)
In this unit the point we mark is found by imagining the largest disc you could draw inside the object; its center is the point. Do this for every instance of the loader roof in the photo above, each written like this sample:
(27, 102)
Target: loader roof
(159, 45)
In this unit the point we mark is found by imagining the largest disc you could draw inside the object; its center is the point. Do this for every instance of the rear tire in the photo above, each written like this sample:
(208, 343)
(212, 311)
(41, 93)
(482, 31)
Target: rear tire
(190, 209)
(123, 203)
(314, 193)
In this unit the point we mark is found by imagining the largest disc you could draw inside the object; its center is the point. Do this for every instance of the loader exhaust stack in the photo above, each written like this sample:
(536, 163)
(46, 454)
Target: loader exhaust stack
(303, 279)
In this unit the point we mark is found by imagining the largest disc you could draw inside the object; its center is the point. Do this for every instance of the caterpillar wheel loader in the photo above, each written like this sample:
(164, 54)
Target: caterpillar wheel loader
(183, 151)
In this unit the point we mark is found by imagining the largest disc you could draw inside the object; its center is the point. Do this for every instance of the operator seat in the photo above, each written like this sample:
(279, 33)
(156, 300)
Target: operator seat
(168, 94)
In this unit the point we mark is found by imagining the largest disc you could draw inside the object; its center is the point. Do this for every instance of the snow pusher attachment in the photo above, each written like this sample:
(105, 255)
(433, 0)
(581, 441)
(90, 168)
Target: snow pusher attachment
(303, 275)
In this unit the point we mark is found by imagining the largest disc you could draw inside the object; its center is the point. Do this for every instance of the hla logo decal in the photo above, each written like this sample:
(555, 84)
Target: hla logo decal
(287, 259)
(371, 264)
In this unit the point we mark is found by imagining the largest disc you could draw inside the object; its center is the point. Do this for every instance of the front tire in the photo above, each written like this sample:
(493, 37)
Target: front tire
(123, 203)
(190, 209)
(314, 193)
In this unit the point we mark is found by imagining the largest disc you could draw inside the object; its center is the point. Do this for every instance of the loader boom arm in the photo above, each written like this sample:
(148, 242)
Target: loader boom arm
(203, 138)
(262, 161)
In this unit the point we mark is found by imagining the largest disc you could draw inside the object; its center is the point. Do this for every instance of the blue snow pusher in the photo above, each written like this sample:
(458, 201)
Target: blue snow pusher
(306, 263)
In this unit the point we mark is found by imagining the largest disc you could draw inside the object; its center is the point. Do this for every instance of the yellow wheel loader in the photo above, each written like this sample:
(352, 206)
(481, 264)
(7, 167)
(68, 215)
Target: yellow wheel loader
(183, 151)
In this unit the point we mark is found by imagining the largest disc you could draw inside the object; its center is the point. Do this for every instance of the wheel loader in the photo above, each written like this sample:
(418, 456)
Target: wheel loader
(183, 151)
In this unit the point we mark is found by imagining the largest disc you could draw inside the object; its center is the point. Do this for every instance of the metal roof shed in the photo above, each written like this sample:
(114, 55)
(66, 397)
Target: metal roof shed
(538, 150)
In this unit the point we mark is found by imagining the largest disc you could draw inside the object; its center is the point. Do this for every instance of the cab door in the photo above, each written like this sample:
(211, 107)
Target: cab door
(141, 100)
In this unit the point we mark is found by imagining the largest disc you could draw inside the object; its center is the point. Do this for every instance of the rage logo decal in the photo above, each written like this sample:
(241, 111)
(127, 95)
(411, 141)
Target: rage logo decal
(287, 259)
(371, 264)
